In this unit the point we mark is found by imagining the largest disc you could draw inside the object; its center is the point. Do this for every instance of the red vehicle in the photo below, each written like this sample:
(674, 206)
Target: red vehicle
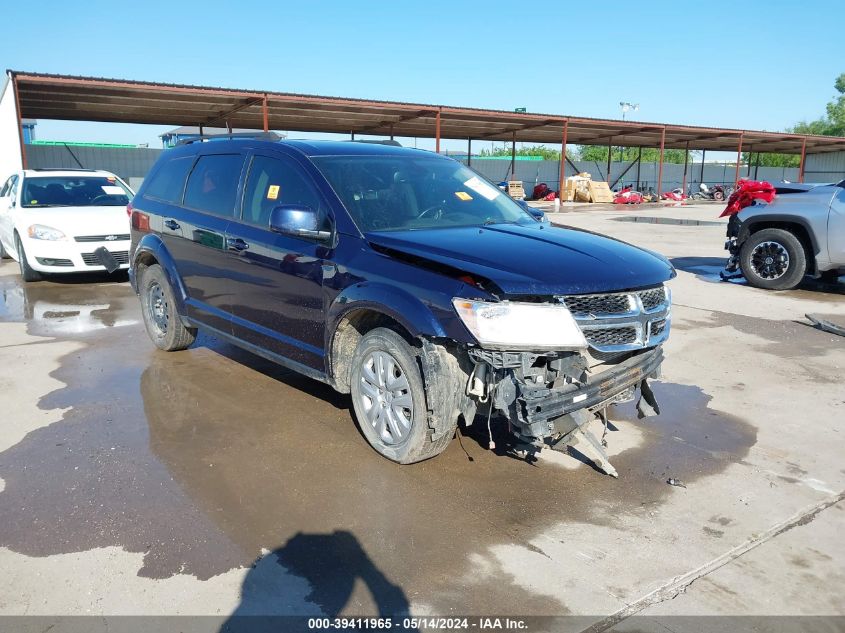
(628, 196)
(676, 195)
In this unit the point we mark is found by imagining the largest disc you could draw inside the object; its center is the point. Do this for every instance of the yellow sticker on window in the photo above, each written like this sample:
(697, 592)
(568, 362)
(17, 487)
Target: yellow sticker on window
(463, 195)
(273, 192)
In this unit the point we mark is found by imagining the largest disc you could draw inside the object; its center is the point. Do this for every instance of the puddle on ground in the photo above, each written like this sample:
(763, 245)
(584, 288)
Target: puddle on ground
(71, 307)
(708, 269)
(203, 459)
(644, 219)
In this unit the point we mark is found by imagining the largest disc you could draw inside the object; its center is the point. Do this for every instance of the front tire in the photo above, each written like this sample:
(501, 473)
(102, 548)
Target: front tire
(389, 399)
(773, 259)
(27, 272)
(158, 308)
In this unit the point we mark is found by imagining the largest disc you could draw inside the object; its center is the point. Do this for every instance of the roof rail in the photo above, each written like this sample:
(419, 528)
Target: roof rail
(262, 136)
(378, 141)
(61, 169)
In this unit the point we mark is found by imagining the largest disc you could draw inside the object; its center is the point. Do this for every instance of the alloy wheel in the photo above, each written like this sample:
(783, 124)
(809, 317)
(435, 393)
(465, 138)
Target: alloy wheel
(157, 307)
(385, 397)
(770, 260)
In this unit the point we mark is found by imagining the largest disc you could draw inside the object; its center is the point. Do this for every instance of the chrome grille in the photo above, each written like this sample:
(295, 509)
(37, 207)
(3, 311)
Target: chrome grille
(622, 321)
(653, 298)
(602, 337)
(91, 259)
(110, 237)
(599, 304)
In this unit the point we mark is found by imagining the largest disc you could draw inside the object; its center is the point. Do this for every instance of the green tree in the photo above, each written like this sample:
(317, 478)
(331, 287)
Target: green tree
(836, 108)
(598, 153)
(833, 124)
(771, 160)
(534, 150)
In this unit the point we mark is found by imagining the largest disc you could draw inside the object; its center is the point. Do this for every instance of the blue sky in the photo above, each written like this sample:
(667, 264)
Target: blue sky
(756, 65)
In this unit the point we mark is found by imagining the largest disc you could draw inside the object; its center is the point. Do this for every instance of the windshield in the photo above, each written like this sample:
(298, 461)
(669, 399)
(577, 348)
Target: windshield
(391, 193)
(74, 191)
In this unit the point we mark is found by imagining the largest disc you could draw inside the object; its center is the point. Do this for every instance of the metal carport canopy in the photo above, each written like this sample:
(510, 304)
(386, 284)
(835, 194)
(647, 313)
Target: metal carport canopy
(66, 97)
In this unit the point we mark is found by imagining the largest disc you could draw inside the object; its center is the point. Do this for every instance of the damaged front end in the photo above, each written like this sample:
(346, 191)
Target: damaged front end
(549, 397)
(733, 246)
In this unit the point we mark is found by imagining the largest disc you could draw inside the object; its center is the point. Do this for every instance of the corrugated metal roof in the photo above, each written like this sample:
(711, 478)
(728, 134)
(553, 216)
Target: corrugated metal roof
(71, 97)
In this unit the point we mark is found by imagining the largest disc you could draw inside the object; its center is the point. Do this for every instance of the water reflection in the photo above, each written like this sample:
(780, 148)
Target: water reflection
(67, 308)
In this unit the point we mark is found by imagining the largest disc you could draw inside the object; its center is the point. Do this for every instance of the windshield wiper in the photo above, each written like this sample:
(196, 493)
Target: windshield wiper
(490, 221)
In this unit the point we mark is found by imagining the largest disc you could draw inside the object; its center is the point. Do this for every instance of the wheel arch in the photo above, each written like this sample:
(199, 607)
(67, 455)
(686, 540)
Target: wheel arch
(364, 307)
(793, 224)
(151, 250)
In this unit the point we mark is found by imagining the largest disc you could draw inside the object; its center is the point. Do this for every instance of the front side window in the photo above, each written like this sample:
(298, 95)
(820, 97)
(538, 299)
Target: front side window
(213, 183)
(393, 193)
(74, 191)
(8, 188)
(272, 182)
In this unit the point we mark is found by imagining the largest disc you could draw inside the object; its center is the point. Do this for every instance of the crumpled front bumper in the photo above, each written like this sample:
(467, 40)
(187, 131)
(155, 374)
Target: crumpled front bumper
(559, 418)
(599, 389)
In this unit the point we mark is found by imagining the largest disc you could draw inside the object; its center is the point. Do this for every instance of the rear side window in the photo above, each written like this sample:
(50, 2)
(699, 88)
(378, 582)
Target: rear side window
(169, 181)
(213, 184)
(275, 181)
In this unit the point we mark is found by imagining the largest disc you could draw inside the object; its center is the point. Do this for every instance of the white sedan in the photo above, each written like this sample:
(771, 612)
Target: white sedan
(64, 221)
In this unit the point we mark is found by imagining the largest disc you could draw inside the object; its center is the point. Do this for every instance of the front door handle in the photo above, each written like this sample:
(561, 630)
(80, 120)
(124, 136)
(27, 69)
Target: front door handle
(236, 244)
(173, 225)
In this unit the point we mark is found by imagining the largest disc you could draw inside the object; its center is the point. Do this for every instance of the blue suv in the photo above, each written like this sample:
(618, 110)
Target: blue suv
(403, 278)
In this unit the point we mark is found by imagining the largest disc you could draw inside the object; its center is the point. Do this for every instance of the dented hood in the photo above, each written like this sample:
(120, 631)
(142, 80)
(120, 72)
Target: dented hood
(531, 259)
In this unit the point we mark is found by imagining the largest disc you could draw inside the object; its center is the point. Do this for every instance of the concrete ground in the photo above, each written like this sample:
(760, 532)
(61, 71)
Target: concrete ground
(212, 482)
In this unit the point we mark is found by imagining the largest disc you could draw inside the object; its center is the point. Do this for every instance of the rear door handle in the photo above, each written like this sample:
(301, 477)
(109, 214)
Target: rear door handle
(173, 225)
(236, 244)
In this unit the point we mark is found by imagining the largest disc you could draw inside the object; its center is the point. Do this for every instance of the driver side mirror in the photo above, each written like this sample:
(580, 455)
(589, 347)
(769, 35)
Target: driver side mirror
(297, 220)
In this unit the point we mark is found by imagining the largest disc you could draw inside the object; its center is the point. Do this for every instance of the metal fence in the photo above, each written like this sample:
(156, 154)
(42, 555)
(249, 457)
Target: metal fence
(130, 163)
(133, 163)
(828, 167)
(533, 172)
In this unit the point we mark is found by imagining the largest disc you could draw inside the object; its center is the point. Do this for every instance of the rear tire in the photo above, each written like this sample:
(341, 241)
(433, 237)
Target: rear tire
(27, 272)
(773, 259)
(3, 253)
(388, 395)
(158, 308)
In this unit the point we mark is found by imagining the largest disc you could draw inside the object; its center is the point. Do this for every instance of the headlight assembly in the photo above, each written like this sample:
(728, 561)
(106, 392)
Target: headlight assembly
(520, 326)
(41, 232)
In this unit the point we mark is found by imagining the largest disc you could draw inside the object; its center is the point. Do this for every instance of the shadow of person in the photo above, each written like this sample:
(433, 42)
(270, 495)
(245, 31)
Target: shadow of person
(312, 575)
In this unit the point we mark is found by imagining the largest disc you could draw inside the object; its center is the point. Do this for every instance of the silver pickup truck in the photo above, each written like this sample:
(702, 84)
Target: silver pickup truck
(801, 232)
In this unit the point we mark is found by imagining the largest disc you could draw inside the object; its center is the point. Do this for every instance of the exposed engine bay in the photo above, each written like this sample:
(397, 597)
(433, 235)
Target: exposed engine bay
(549, 397)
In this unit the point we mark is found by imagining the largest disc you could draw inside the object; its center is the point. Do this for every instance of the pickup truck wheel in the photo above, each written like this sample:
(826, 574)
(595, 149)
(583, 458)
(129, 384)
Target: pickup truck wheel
(389, 398)
(158, 308)
(27, 272)
(773, 259)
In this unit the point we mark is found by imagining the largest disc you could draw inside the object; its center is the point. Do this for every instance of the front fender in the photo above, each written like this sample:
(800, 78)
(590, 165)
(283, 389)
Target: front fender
(151, 245)
(417, 317)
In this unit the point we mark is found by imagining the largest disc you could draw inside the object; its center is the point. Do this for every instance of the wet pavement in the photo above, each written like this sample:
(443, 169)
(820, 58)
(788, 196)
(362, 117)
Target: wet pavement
(212, 461)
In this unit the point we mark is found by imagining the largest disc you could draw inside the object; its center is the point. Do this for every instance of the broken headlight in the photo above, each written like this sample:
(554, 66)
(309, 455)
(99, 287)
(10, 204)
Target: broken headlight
(520, 326)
